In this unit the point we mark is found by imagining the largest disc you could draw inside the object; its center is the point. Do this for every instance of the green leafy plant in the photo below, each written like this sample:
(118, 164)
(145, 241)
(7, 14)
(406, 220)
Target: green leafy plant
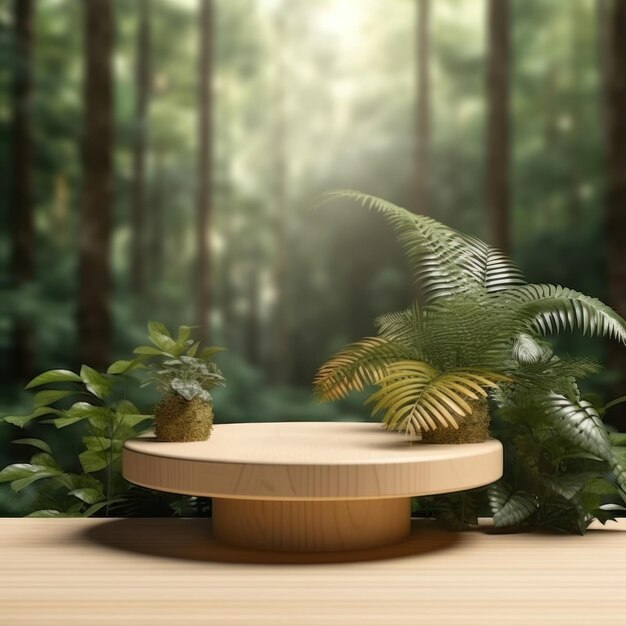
(183, 374)
(96, 403)
(477, 329)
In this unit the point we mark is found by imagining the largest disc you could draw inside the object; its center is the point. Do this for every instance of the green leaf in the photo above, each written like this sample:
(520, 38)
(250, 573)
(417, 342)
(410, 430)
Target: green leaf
(158, 328)
(183, 335)
(44, 459)
(509, 509)
(43, 398)
(209, 352)
(98, 416)
(579, 423)
(121, 367)
(617, 439)
(100, 505)
(87, 495)
(46, 513)
(193, 348)
(22, 483)
(148, 350)
(97, 443)
(22, 420)
(17, 471)
(53, 376)
(37, 443)
(96, 383)
(127, 413)
(93, 460)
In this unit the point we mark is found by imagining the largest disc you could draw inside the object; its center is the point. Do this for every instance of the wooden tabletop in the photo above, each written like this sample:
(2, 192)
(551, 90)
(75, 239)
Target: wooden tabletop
(159, 572)
(309, 460)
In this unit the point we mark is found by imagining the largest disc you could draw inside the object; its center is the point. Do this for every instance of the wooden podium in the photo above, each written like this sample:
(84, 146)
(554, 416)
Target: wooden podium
(309, 486)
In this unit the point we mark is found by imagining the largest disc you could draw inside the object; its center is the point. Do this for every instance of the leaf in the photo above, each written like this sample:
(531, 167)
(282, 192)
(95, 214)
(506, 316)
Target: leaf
(53, 376)
(356, 366)
(100, 505)
(211, 351)
(160, 336)
(149, 351)
(569, 485)
(37, 443)
(96, 383)
(22, 420)
(123, 366)
(509, 509)
(43, 398)
(22, 483)
(87, 495)
(553, 308)
(193, 348)
(579, 423)
(93, 460)
(417, 396)
(183, 335)
(97, 443)
(158, 328)
(44, 459)
(527, 349)
(46, 513)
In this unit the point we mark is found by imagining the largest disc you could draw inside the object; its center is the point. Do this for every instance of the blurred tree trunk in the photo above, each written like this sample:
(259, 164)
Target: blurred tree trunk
(422, 174)
(94, 273)
(142, 82)
(156, 231)
(203, 283)
(280, 367)
(253, 331)
(498, 125)
(615, 72)
(23, 237)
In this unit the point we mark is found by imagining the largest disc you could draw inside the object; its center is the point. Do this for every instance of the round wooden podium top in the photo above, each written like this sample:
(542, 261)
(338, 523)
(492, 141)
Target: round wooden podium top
(309, 461)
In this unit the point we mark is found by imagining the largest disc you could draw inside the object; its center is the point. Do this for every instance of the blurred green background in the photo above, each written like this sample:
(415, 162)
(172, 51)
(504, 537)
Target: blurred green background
(177, 186)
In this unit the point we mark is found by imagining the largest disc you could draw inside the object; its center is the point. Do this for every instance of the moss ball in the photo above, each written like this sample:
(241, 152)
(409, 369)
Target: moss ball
(177, 419)
(472, 429)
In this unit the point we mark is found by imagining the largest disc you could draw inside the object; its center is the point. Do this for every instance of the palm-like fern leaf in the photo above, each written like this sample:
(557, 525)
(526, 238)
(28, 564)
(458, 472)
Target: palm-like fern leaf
(356, 366)
(508, 508)
(443, 261)
(416, 396)
(490, 267)
(579, 423)
(553, 308)
(431, 247)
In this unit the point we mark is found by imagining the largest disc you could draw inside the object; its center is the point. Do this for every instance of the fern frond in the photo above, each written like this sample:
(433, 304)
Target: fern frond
(569, 485)
(431, 247)
(416, 396)
(491, 268)
(355, 366)
(508, 508)
(579, 423)
(552, 308)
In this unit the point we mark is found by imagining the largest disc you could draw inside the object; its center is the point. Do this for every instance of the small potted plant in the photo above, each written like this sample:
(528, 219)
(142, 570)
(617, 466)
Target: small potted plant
(183, 374)
(476, 330)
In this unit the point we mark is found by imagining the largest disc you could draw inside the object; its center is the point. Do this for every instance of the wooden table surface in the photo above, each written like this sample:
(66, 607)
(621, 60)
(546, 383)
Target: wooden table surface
(168, 571)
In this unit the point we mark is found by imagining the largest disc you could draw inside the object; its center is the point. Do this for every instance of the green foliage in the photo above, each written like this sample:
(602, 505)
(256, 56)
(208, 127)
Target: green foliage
(171, 364)
(97, 404)
(477, 328)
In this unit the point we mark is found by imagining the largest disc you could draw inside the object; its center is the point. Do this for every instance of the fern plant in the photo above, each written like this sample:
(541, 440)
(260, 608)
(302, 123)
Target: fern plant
(477, 329)
(472, 329)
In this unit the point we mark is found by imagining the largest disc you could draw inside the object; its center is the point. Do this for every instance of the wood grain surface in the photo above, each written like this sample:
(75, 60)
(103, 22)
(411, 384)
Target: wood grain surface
(309, 460)
(160, 572)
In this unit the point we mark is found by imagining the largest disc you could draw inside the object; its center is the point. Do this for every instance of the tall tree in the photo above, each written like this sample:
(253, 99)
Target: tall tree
(23, 244)
(203, 282)
(497, 172)
(94, 279)
(279, 365)
(142, 82)
(615, 89)
(422, 174)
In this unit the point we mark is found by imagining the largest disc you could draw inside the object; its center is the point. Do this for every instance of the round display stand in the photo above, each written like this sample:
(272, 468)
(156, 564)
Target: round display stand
(309, 486)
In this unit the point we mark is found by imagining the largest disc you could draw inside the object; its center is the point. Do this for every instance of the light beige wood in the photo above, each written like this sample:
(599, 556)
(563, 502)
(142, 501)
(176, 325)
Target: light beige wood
(322, 468)
(309, 461)
(160, 572)
(305, 525)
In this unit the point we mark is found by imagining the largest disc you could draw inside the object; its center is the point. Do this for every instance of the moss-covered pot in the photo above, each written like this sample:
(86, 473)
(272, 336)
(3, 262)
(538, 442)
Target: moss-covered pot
(177, 419)
(472, 429)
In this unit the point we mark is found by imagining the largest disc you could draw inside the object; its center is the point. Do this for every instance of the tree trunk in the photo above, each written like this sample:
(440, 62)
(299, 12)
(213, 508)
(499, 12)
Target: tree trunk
(616, 185)
(279, 365)
(497, 195)
(94, 279)
(422, 174)
(142, 81)
(203, 281)
(23, 239)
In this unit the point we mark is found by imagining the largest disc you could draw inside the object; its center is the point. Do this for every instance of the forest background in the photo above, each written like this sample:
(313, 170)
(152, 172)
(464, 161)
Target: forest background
(158, 157)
